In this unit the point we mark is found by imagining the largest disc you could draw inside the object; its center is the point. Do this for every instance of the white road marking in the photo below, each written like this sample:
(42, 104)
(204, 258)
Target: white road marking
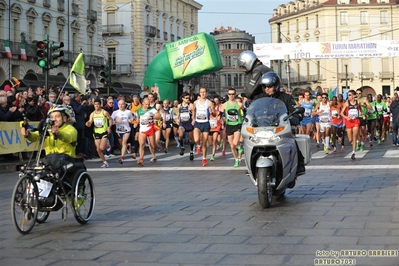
(391, 154)
(359, 154)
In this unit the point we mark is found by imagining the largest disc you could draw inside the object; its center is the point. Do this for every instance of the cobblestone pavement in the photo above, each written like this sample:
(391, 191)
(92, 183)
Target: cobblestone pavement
(176, 212)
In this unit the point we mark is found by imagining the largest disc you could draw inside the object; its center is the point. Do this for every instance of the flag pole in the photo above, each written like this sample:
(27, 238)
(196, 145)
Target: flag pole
(62, 88)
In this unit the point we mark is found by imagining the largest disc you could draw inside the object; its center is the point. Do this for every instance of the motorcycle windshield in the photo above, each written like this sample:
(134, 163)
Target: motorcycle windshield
(266, 111)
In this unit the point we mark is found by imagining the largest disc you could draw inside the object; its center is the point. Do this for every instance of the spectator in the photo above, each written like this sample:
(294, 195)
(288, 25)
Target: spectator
(66, 101)
(79, 110)
(52, 97)
(144, 92)
(5, 111)
(36, 109)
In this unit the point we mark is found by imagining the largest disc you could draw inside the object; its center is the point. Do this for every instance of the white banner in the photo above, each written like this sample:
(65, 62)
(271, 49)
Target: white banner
(327, 50)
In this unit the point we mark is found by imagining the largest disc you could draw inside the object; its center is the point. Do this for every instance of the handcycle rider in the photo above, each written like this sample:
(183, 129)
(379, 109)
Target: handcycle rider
(61, 137)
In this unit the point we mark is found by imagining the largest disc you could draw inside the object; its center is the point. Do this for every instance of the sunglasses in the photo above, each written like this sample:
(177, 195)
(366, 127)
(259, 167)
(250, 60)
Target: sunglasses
(187, 98)
(232, 94)
(358, 93)
(350, 94)
(268, 86)
(324, 97)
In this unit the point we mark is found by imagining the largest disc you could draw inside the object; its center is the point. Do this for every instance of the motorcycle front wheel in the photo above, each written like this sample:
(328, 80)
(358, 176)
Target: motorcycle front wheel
(265, 189)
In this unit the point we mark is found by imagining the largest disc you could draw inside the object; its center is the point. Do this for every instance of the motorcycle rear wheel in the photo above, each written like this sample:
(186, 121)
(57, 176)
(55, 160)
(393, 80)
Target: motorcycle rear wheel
(265, 188)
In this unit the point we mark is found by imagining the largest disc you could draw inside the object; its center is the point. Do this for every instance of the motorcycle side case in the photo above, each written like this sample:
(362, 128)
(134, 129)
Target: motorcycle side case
(304, 145)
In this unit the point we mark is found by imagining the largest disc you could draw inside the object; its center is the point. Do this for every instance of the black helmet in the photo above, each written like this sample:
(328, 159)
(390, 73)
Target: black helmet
(271, 78)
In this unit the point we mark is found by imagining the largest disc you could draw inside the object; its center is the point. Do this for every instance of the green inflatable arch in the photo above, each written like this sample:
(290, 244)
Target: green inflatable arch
(184, 59)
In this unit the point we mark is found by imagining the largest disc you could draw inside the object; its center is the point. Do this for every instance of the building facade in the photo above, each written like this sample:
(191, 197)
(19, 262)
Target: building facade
(231, 43)
(338, 20)
(25, 22)
(134, 32)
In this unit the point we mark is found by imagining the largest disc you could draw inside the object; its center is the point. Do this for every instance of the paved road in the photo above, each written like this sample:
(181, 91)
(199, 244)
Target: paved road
(176, 212)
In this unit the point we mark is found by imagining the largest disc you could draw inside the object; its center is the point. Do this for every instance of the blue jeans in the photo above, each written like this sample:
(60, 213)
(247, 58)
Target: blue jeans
(395, 133)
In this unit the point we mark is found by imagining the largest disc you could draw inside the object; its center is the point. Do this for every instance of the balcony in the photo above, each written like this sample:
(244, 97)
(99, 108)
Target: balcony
(150, 31)
(342, 76)
(61, 5)
(75, 9)
(120, 69)
(91, 15)
(386, 75)
(366, 75)
(113, 29)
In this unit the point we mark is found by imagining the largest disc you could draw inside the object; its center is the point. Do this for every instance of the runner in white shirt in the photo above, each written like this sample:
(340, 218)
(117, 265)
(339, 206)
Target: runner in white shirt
(122, 120)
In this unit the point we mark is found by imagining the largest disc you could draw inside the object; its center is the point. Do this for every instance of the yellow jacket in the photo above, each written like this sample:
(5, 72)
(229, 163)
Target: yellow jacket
(64, 143)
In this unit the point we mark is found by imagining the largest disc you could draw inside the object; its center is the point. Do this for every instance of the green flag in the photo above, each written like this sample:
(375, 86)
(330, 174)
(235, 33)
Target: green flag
(77, 78)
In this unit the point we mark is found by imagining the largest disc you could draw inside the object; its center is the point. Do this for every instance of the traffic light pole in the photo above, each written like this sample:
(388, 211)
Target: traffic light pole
(46, 69)
(109, 76)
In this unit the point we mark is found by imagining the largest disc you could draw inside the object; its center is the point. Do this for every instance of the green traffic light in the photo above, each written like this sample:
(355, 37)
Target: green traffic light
(42, 63)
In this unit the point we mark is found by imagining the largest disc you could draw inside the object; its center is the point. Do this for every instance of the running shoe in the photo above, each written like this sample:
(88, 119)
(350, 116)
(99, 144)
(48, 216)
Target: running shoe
(326, 150)
(237, 163)
(342, 148)
(335, 149)
(153, 159)
(166, 150)
(317, 145)
(198, 149)
(383, 139)
(191, 156)
(353, 156)
(133, 156)
(140, 162)
(371, 144)
(379, 142)
(121, 160)
(240, 150)
(362, 147)
(223, 152)
(182, 151)
(203, 162)
(212, 158)
(357, 146)
(105, 165)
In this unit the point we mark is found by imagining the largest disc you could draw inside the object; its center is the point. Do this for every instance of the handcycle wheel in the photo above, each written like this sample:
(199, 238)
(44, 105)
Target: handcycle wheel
(24, 205)
(42, 217)
(83, 196)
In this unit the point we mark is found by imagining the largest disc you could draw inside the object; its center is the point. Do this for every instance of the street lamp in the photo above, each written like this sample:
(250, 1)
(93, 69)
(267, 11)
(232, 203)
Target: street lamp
(287, 63)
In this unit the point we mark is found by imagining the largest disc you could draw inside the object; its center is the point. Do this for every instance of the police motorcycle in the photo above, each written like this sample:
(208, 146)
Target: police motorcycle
(269, 147)
(48, 185)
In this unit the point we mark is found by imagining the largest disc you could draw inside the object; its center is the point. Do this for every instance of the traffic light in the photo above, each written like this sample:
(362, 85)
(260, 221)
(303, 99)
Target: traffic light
(105, 75)
(55, 53)
(42, 54)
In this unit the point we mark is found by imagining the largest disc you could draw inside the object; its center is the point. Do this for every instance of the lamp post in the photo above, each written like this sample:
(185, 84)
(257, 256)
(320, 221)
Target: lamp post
(287, 63)
(346, 78)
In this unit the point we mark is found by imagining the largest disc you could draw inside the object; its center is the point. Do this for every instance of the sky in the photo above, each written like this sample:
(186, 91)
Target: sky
(249, 16)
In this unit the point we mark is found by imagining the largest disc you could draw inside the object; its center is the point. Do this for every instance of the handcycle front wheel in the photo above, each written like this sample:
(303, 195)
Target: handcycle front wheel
(24, 205)
(83, 197)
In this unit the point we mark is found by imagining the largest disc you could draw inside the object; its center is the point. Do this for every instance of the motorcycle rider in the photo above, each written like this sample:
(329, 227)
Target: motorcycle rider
(270, 82)
(254, 67)
(62, 138)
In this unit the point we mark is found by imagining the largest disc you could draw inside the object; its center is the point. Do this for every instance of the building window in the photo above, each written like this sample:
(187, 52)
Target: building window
(307, 23)
(110, 18)
(288, 28)
(317, 21)
(344, 18)
(384, 17)
(344, 38)
(229, 80)
(384, 37)
(363, 18)
(297, 25)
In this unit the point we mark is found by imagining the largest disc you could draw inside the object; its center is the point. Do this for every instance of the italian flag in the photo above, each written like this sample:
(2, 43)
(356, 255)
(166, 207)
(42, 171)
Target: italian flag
(23, 52)
(7, 47)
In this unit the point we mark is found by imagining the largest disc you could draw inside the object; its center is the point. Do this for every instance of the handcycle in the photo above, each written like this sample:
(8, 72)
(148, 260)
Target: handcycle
(50, 184)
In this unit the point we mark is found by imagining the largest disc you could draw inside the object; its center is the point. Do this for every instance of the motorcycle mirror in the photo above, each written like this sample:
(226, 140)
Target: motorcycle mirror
(299, 110)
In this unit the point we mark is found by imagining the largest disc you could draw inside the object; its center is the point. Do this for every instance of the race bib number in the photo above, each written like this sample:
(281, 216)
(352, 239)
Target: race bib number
(334, 113)
(307, 112)
(98, 122)
(213, 123)
(232, 118)
(184, 117)
(353, 114)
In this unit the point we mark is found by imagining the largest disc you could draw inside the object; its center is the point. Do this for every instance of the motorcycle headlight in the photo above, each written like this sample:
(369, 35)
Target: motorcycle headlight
(265, 136)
